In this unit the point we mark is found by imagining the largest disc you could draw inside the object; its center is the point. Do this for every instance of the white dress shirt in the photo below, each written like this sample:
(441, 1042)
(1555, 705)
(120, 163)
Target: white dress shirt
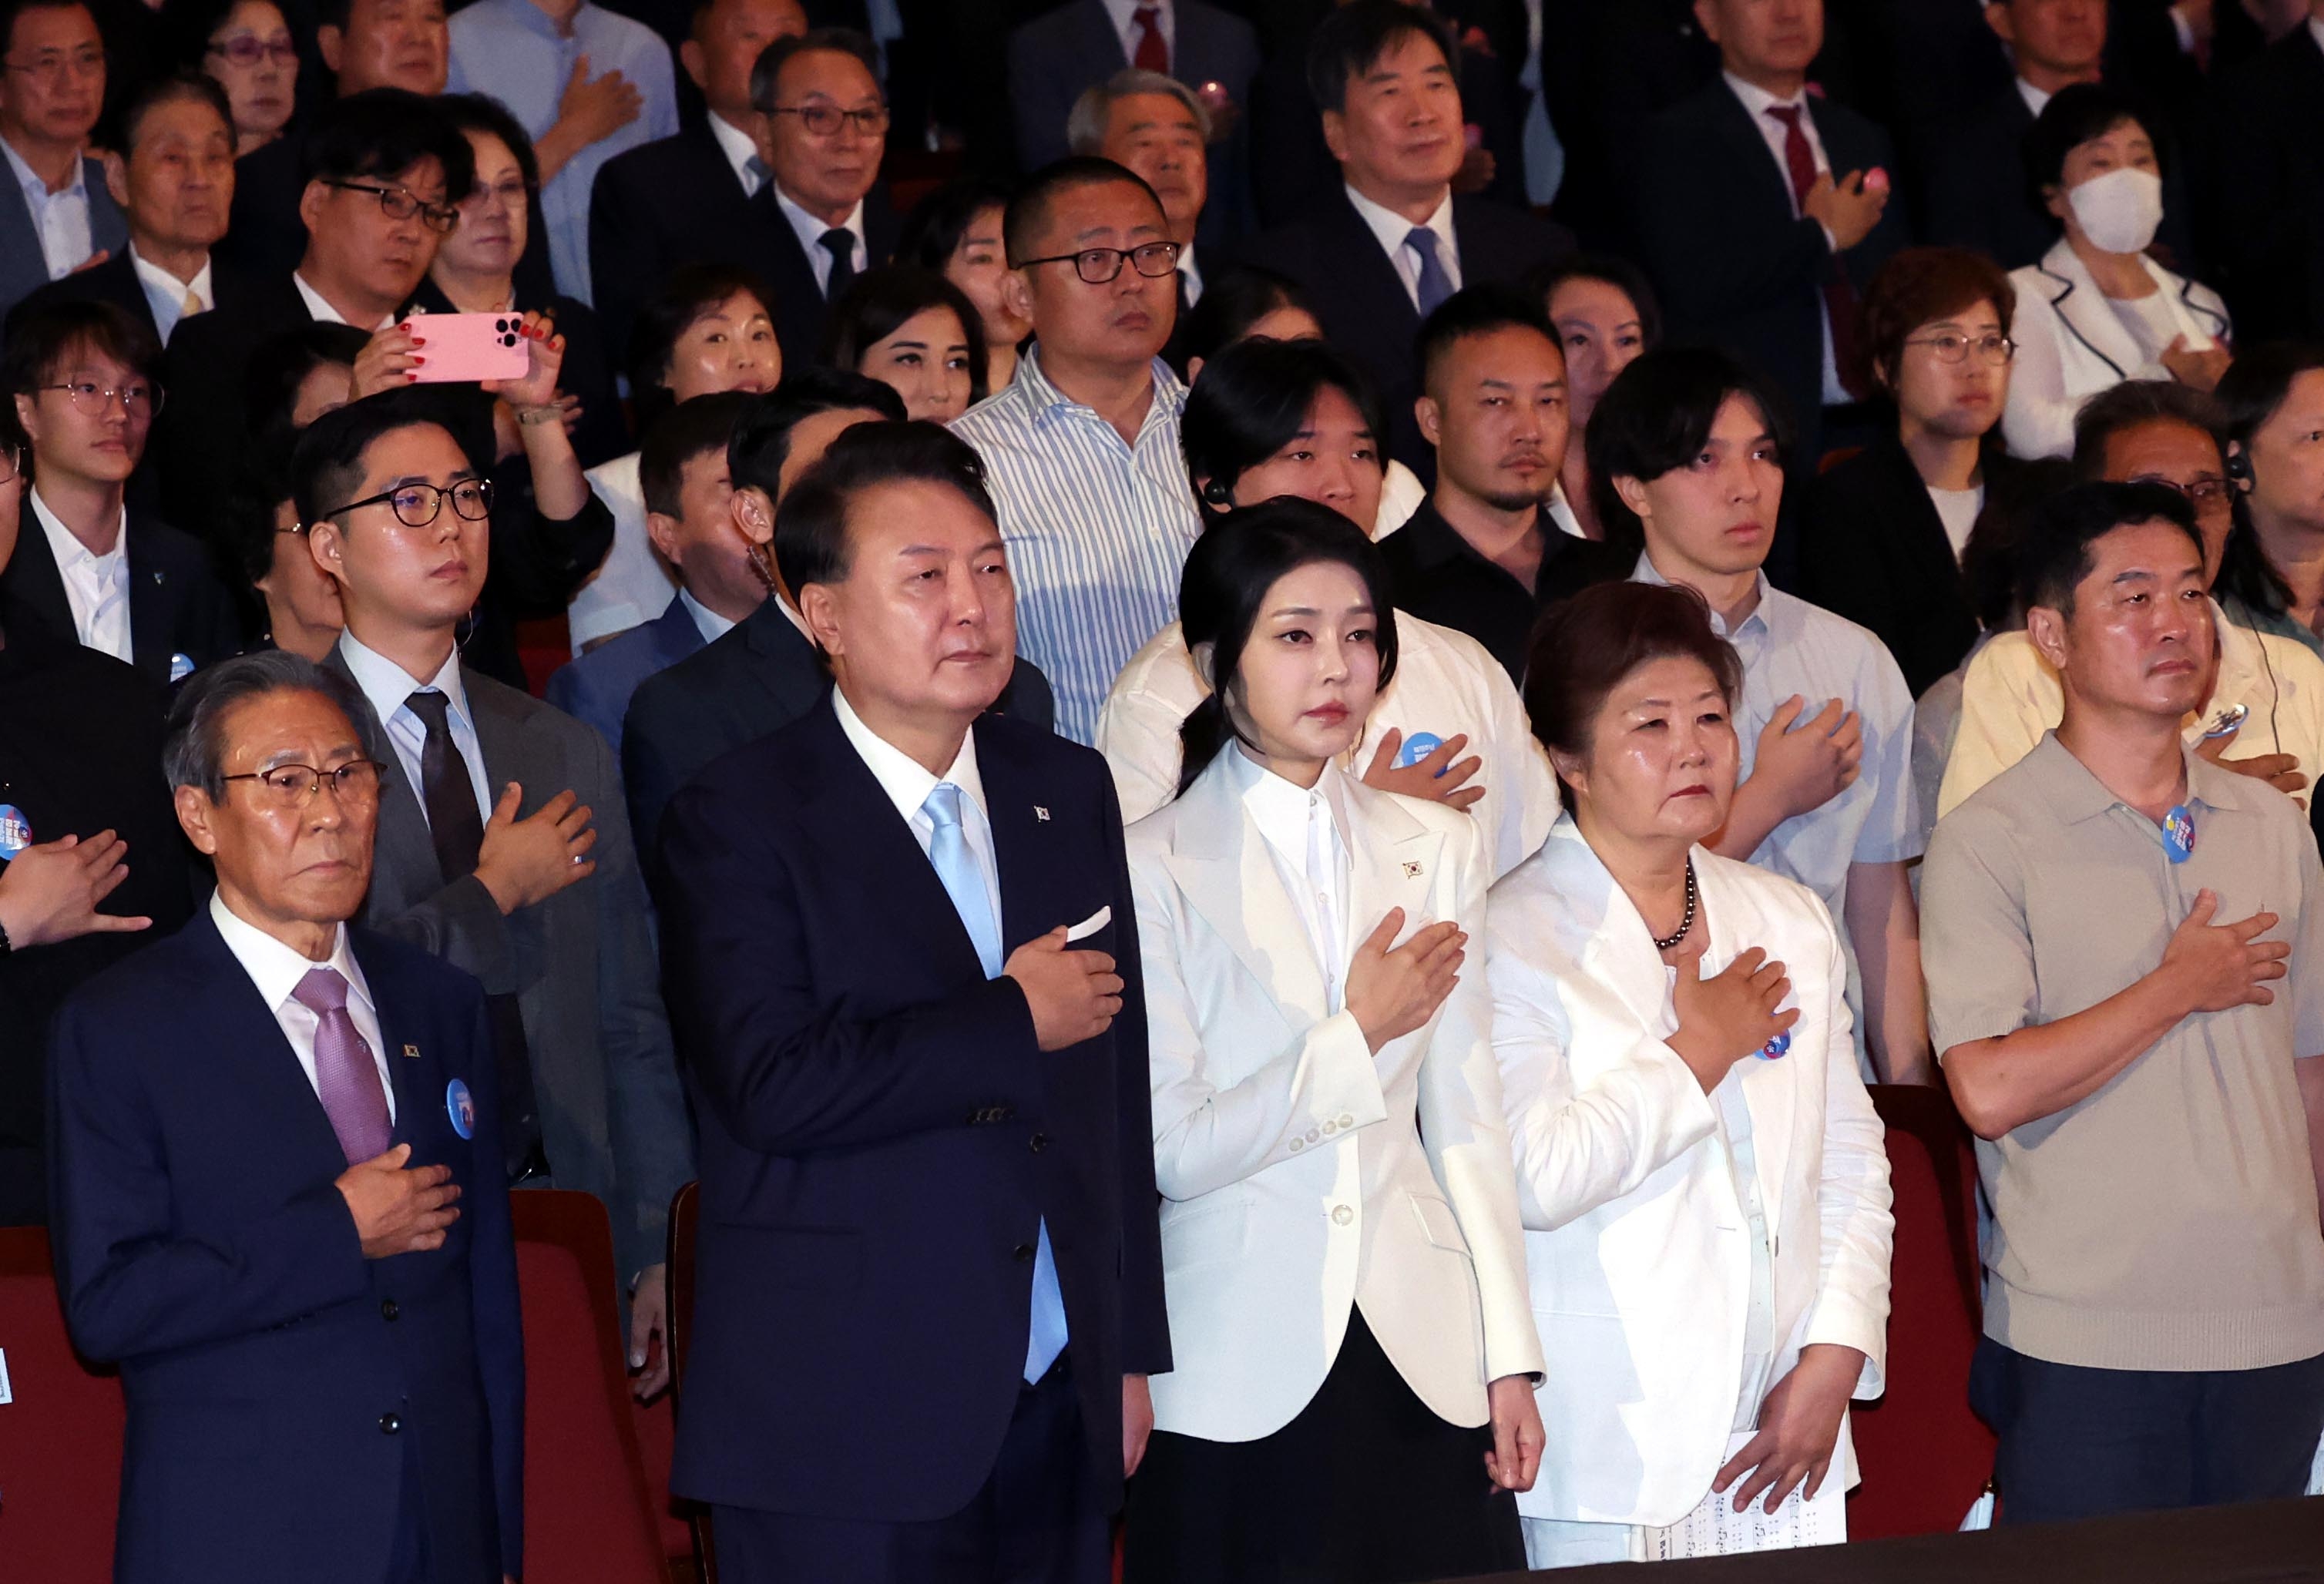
(1305, 832)
(907, 784)
(1395, 231)
(276, 970)
(632, 585)
(1756, 102)
(706, 622)
(60, 218)
(1191, 274)
(810, 229)
(166, 295)
(742, 153)
(96, 587)
(1958, 511)
(388, 686)
(2035, 98)
(1124, 13)
(319, 309)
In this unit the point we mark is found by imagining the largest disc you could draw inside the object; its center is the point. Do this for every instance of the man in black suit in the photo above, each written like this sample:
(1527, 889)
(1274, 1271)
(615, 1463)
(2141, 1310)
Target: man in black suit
(905, 974)
(1383, 252)
(1763, 211)
(2268, 175)
(688, 198)
(82, 376)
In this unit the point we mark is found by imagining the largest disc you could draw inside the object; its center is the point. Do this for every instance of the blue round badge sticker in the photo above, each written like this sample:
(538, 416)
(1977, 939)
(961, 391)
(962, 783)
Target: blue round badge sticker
(2179, 834)
(15, 831)
(461, 1107)
(1418, 746)
(1777, 1048)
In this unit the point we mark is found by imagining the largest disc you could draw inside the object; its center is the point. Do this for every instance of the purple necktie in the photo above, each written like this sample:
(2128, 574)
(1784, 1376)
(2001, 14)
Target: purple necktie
(345, 1076)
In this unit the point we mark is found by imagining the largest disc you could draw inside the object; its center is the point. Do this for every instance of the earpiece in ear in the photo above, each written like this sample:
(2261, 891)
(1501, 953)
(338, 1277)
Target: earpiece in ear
(2239, 469)
(1217, 494)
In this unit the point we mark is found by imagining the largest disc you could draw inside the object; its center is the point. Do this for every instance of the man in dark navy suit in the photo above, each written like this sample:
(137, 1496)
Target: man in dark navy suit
(277, 1189)
(901, 964)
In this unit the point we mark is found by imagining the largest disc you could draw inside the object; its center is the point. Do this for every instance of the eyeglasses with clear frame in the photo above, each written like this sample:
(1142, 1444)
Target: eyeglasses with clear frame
(139, 398)
(1995, 350)
(417, 505)
(293, 786)
(2209, 493)
(49, 66)
(826, 120)
(400, 203)
(1100, 266)
(247, 50)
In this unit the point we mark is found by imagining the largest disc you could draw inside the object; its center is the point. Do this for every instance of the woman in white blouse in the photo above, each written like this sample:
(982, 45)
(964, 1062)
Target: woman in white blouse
(2097, 310)
(1703, 1180)
(1351, 1397)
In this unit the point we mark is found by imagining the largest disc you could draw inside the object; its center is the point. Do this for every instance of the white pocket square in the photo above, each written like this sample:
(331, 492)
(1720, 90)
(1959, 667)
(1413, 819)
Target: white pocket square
(1089, 926)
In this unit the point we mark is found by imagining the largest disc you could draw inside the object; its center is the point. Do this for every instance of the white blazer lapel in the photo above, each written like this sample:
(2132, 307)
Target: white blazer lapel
(1770, 1088)
(1619, 952)
(1393, 861)
(2091, 328)
(1222, 864)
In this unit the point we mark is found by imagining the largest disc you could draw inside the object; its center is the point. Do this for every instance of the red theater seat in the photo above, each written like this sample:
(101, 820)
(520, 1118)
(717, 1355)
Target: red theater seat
(59, 1431)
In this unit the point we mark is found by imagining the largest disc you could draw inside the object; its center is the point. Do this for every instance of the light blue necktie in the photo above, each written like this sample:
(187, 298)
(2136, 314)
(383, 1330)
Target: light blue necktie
(1435, 285)
(963, 882)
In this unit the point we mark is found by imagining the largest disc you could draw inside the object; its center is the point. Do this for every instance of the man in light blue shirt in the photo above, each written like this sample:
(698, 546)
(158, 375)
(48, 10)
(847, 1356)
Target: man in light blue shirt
(586, 84)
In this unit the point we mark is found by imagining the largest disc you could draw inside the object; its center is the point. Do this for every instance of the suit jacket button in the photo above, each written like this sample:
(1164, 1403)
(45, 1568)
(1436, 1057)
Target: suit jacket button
(1040, 1142)
(1312, 1135)
(1298, 1143)
(1330, 1126)
(1341, 1215)
(1347, 1121)
(1023, 1251)
(388, 1423)
(387, 1309)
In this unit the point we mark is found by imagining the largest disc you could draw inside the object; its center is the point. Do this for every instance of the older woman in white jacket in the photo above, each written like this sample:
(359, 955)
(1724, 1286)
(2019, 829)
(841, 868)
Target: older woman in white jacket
(2097, 310)
(1703, 1183)
(1353, 1362)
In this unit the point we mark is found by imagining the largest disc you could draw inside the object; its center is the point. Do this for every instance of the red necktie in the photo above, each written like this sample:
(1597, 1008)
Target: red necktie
(1838, 292)
(1153, 54)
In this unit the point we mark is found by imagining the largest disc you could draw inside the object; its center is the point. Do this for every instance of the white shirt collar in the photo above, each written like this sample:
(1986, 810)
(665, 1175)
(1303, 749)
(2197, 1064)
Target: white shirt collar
(388, 685)
(1560, 511)
(154, 275)
(274, 968)
(810, 229)
(36, 190)
(68, 549)
(706, 622)
(323, 313)
(1757, 100)
(1648, 572)
(1193, 271)
(1392, 228)
(739, 152)
(1282, 810)
(2035, 98)
(790, 614)
(903, 778)
(1124, 13)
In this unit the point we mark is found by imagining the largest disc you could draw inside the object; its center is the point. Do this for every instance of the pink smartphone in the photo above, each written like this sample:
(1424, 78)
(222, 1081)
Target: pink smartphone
(470, 346)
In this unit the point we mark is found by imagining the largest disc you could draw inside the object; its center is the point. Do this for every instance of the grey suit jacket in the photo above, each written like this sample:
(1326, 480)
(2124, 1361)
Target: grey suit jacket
(22, 269)
(581, 964)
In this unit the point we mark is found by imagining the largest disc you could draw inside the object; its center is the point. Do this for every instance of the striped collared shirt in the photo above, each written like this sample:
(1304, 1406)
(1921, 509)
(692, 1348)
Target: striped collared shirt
(1096, 529)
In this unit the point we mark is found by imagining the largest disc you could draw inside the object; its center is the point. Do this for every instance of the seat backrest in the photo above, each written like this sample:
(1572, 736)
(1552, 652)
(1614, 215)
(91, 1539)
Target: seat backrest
(683, 1209)
(588, 1519)
(1923, 1453)
(60, 1431)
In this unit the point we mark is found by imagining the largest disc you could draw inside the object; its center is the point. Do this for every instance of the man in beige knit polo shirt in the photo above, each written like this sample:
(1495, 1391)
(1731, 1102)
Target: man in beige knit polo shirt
(2124, 946)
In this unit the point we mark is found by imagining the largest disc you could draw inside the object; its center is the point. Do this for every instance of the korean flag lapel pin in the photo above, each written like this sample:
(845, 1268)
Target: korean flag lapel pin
(412, 1052)
(1411, 868)
(1040, 815)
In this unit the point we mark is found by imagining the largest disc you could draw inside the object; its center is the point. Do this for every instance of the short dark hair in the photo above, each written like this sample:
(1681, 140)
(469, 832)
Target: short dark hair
(1224, 586)
(2075, 114)
(262, 482)
(694, 427)
(188, 26)
(811, 538)
(1232, 301)
(1607, 270)
(767, 68)
(1586, 645)
(280, 363)
(932, 232)
(328, 464)
(761, 441)
(1028, 215)
(10, 10)
(168, 91)
(2259, 381)
(684, 295)
(1351, 41)
(1252, 399)
(1658, 415)
(2054, 556)
(2134, 402)
(1920, 286)
(1988, 562)
(481, 112)
(1478, 310)
(40, 341)
(876, 304)
(193, 741)
(381, 132)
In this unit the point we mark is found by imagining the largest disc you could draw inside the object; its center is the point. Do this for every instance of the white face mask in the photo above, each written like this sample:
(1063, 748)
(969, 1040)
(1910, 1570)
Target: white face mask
(2120, 210)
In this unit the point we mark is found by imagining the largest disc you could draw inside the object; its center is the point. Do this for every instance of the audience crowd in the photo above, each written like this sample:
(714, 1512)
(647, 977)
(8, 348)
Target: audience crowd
(1249, 718)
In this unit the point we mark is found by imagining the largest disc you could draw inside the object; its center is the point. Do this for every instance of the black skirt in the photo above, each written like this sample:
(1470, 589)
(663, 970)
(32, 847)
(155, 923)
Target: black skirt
(1365, 1486)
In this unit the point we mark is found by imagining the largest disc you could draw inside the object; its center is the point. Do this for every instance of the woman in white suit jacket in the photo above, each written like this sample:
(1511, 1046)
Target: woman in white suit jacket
(2097, 310)
(1703, 1183)
(1341, 1250)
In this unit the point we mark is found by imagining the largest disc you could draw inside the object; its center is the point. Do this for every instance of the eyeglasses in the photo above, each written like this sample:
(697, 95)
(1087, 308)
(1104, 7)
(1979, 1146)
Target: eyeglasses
(1100, 265)
(824, 120)
(2208, 493)
(400, 203)
(514, 193)
(249, 50)
(50, 65)
(1994, 349)
(293, 786)
(417, 505)
(139, 398)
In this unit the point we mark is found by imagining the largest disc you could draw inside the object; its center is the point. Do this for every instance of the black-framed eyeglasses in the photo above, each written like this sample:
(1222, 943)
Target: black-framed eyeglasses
(295, 785)
(1101, 266)
(249, 50)
(139, 398)
(1993, 349)
(417, 505)
(50, 65)
(2208, 493)
(826, 120)
(400, 203)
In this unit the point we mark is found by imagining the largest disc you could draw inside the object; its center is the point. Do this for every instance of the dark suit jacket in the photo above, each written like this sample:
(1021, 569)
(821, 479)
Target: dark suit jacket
(80, 752)
(22, 269)
(177, 606)
(205, 424)
(801, 310)
(279, 1385)
(761, 676)
(2267, 120)
(882, 1136)
(1734, 266)
(596, 688)
(116, 281)
(1366, 311)
(581, 964)
(1873, 548)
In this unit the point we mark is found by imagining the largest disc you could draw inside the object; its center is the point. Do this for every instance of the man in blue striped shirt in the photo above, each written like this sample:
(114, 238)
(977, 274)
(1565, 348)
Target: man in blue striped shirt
(1081, 450)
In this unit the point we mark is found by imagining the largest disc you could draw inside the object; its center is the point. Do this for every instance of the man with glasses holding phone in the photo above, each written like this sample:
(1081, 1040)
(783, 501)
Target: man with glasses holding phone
(1081, 450)
(56, 216)
(82, 378)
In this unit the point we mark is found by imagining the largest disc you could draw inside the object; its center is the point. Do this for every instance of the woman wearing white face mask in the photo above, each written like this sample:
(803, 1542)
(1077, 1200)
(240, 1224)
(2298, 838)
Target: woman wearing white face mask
(2097, 310)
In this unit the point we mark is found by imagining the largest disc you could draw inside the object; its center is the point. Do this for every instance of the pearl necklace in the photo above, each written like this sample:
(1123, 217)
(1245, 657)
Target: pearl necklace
(1664, 943)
